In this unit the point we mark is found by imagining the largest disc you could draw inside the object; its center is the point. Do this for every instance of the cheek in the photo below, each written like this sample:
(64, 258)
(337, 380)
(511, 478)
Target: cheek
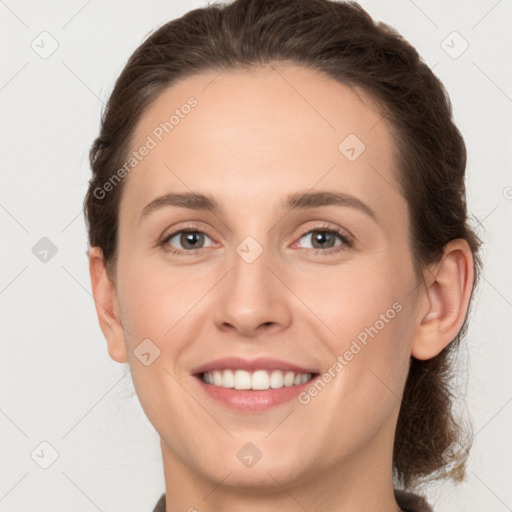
(156, 303)
(157, 312)
(368, 311)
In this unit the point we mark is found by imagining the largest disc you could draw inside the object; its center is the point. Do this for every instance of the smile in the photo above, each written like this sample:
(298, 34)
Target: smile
(257, 380)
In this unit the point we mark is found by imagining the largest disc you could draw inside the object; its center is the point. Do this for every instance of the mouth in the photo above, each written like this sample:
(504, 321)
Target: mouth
(259, 380)
(253, 386)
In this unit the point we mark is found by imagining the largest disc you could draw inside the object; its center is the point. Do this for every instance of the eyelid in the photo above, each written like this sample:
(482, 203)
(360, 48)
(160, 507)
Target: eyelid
(324, 226)
(190, 228)
(347, 241)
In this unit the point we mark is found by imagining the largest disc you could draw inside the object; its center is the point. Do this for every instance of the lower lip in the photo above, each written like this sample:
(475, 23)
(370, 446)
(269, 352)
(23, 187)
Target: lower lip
(248, 400)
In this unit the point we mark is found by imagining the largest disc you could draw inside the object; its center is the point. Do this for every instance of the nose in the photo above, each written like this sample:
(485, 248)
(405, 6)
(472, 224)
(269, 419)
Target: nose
(253, 298)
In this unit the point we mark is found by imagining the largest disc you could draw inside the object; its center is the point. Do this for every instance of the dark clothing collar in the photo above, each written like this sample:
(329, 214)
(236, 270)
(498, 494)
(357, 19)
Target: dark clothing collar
(407, 501)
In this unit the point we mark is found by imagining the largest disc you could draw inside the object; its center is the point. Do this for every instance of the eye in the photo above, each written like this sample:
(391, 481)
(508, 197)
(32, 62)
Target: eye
(324, 239)
(189, 239)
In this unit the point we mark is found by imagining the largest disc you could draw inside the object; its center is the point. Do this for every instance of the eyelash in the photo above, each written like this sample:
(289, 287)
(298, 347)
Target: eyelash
(347, 241)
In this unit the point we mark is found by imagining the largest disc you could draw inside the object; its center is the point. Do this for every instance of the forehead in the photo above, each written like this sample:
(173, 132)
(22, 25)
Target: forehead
(255, 132)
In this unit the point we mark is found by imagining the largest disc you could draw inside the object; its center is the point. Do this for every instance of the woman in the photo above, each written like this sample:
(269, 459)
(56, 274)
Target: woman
(279, 248)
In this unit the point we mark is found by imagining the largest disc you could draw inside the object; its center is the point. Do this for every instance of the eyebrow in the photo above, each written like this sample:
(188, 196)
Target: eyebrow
(296, 201)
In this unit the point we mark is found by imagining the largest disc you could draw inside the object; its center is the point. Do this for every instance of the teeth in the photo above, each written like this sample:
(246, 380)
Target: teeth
(258, 380)
(288, 379)
(276, 379)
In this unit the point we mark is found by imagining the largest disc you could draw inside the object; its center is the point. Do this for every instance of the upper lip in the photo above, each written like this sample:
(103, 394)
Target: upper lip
(260, 363)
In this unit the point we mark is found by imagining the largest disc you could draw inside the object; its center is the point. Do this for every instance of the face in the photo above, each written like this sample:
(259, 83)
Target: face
(283, 243)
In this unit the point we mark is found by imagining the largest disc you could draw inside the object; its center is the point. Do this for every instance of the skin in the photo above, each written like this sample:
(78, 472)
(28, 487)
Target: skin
(255, 137)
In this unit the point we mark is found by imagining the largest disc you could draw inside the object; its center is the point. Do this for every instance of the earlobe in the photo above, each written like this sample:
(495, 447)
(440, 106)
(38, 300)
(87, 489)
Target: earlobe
(107, 308)
(445, 301)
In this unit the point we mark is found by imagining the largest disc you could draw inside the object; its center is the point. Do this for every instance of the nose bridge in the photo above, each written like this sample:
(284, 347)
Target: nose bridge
(251, 262)
(252, 295)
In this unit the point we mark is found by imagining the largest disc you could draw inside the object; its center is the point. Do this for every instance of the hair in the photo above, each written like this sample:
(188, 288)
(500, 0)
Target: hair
(340, 40)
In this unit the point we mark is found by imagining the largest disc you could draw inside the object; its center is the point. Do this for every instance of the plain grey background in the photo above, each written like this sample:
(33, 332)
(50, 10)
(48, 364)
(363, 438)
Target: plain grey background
(58, 384)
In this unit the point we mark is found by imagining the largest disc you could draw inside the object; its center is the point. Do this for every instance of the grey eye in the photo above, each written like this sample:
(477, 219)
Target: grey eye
(189, 240)
(322, 238)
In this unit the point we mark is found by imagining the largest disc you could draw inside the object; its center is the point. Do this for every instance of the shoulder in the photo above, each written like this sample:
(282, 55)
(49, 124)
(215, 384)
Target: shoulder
(411, 502)
(160, 506)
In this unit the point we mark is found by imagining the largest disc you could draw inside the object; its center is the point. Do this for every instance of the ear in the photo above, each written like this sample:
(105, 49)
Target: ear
(107, 306)
(445, 300)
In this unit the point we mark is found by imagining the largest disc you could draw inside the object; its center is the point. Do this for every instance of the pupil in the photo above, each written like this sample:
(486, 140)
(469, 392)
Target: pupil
(322, 236)
(188, 240)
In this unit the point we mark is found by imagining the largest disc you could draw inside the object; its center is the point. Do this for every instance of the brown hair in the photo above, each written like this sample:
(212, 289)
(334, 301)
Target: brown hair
(340, 40)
